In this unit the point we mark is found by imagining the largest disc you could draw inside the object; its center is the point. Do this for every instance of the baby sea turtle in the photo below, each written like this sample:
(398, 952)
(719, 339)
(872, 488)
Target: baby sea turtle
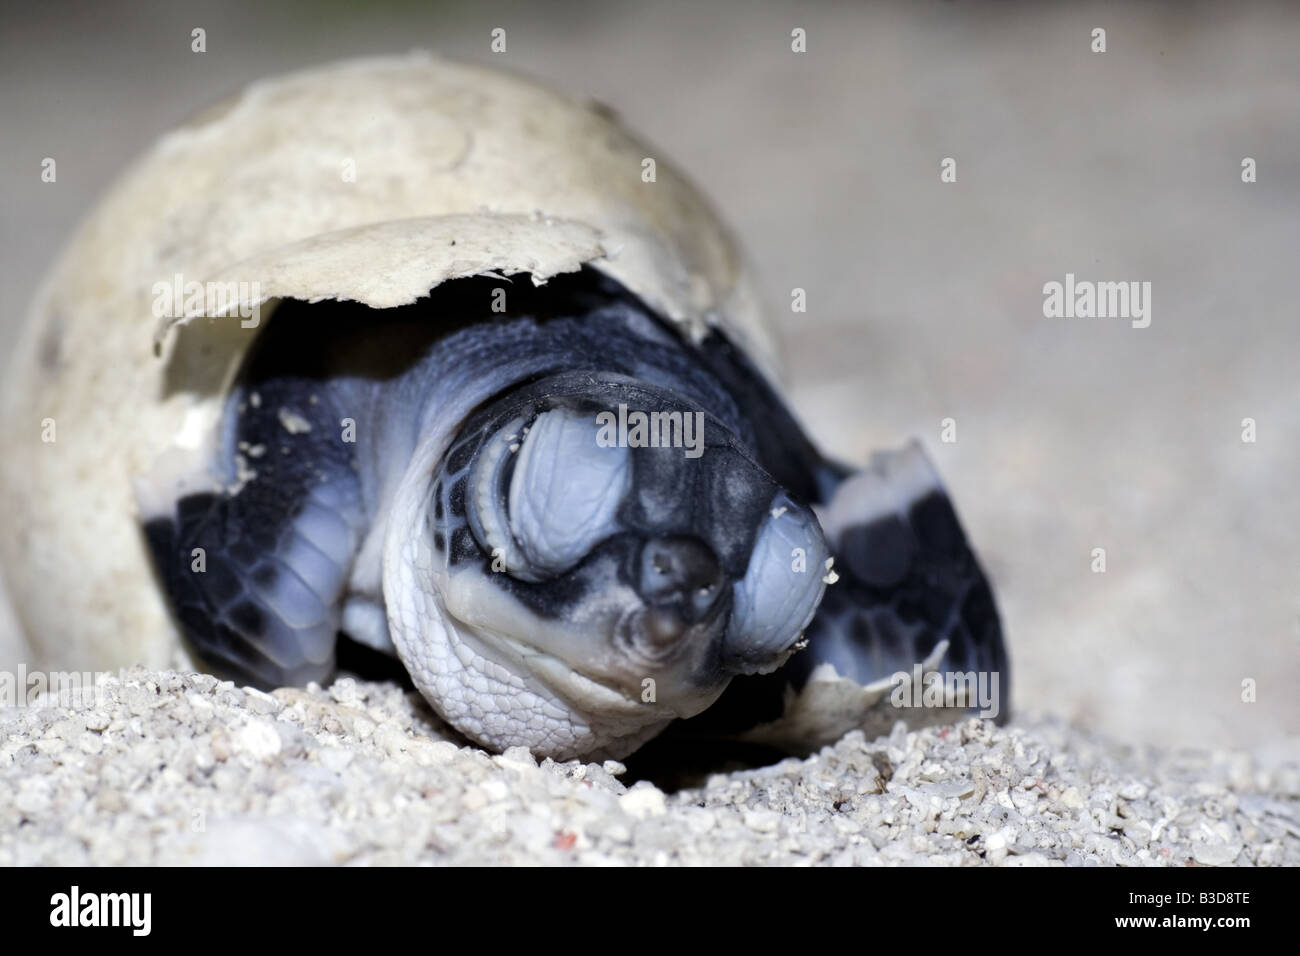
(438, 359)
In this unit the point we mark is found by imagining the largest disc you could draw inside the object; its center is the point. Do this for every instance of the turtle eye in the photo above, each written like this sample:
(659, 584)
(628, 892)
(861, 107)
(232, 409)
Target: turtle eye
(542, 495)
(780, 591)
(566, 490)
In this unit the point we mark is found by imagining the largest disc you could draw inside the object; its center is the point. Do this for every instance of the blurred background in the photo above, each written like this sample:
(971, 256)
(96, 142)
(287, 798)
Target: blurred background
(925, 299)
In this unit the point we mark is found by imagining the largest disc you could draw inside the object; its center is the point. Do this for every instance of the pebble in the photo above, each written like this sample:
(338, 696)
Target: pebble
(258, 739)
(643, 801)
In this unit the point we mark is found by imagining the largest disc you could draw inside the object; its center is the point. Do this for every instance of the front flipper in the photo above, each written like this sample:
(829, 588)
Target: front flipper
(908, 578)
(255, 571)
(256, 594)
(909, 630)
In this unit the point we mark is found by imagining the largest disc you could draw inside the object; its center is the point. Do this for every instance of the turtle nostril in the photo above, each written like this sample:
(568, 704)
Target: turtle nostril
(662, 628)
(682, 574)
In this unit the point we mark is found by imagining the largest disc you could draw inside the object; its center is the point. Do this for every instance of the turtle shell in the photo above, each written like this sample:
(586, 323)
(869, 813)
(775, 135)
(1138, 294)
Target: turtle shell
(372, 180)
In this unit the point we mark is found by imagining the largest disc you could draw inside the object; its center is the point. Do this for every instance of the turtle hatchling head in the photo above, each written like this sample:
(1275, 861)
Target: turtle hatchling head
(590, 558)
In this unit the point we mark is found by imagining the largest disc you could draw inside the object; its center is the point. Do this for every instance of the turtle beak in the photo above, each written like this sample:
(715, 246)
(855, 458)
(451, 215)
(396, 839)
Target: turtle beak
(776, 599)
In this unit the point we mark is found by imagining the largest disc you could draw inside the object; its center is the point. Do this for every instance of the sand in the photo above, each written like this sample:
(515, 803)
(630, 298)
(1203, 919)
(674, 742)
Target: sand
(172, 768)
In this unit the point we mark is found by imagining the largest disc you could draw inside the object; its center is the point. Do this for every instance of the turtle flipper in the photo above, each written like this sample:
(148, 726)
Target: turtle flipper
(909, 630)
(908, 578)
(256, 569)
(256, 596)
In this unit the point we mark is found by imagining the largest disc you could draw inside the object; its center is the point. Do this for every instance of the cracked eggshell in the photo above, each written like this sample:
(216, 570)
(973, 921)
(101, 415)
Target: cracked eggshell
(371, 180)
